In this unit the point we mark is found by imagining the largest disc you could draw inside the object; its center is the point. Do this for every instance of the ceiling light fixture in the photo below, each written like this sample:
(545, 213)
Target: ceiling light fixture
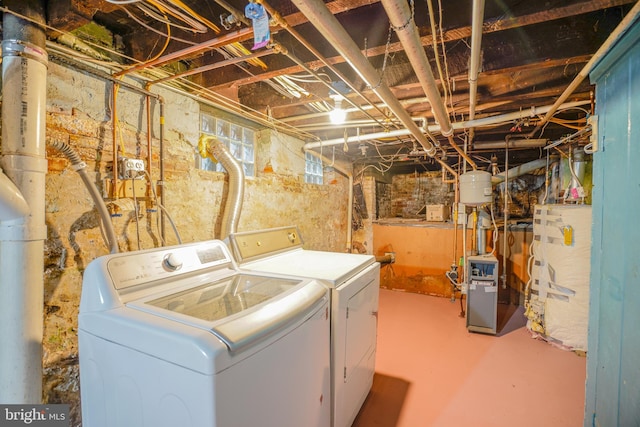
(337, 115)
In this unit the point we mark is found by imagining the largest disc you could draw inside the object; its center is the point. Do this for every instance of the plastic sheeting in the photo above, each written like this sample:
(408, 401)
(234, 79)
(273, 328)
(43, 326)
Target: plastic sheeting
(559, 267)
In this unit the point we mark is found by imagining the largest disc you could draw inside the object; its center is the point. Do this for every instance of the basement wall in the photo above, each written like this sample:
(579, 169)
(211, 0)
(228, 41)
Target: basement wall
(78, 113)
(424, 251)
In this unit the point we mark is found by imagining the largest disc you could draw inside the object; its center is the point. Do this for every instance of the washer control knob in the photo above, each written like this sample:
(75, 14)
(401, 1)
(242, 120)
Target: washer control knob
(172, 262)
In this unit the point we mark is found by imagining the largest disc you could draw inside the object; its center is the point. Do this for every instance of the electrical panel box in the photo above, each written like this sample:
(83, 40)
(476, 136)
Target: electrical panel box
(482, 294)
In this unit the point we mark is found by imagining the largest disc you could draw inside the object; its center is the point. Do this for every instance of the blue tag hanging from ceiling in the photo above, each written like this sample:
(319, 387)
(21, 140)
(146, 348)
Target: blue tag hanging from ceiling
(260, 20)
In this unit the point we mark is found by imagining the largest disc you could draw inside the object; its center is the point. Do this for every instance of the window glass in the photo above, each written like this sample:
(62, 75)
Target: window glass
(239, 140)
(313, 169)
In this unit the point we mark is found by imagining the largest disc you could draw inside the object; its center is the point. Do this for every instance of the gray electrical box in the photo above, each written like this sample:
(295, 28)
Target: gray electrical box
(482, 294)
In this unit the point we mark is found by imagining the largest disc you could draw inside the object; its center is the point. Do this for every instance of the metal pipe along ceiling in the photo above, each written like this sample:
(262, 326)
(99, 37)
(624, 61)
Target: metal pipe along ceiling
(485, 121)
(617, 33)
(284, 24)
(324, 21)
(401, 19)
(474, 63)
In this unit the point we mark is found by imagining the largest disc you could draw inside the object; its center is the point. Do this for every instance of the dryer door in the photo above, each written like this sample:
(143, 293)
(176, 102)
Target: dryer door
(355, 310)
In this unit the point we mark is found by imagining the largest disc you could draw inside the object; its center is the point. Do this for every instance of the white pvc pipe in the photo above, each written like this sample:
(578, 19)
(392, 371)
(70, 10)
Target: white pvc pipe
(485, 121)
(12, 203)
(519, 171)
(474, 62)
(24, 74)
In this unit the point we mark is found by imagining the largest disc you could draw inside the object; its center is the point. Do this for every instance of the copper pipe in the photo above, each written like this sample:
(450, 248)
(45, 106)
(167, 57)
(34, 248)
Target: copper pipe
(447, 167)
(210, 67)
(161, 182)
(149, 138)
(232, 37)
(284, 24)
(327, 24)
(464, 155)
(114, 132)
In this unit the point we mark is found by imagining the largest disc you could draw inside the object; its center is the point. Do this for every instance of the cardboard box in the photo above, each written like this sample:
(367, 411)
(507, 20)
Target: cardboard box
(438, 213)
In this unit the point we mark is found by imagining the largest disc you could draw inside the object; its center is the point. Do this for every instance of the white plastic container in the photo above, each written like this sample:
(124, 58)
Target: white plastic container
(475, 188)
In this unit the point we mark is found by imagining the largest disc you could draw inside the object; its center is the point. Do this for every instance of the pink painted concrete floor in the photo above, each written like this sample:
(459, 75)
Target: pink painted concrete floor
(431, 372)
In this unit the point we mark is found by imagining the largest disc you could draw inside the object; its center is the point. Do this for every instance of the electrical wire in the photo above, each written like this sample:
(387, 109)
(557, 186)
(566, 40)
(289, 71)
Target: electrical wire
(444, 55)
(150, 28)
(163, 210)
(434, 45)
(158, 16)
(121, 2)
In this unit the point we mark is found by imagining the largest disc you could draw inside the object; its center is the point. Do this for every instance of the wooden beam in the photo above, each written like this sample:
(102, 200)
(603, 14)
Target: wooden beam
(490, 26)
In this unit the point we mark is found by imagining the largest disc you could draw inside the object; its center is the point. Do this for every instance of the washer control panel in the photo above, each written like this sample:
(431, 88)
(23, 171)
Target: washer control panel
(132, 269)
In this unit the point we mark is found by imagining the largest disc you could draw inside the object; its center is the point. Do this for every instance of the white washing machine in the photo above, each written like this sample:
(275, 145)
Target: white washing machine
(180, 337)
(354, 280)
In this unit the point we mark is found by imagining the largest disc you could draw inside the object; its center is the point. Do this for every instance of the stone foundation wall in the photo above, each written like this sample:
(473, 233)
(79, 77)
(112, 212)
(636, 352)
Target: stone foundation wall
(78, 113)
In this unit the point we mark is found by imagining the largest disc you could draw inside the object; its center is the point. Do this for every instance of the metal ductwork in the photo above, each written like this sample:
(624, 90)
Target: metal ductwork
(214, 148)
(23, 160)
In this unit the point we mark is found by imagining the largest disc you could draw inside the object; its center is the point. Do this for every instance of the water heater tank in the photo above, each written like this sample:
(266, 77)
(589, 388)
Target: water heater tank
(475, 188)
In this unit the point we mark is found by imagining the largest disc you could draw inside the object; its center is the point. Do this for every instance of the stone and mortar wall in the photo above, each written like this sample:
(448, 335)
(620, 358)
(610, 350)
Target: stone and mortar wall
(411, 192)
(78, 113)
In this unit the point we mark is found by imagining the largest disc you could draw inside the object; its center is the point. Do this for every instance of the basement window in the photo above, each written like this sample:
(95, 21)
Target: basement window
(313, 169)
(239, 140)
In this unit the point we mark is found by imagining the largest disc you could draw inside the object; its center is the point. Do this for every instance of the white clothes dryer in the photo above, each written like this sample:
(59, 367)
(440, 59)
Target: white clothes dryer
(354, 280)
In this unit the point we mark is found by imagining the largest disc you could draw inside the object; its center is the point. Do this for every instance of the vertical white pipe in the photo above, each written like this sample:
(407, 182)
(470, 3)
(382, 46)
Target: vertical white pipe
(24, 73)
(474, 62)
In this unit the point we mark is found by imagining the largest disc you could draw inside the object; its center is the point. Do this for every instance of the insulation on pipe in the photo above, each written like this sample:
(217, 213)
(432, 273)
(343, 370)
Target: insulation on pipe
(327, 24)
(485, 121)
(81, 168)
(401, 19)
(214, 148)
(477, 21)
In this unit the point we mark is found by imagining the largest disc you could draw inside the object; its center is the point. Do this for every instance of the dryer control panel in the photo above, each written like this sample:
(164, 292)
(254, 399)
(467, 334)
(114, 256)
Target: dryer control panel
(252, 245)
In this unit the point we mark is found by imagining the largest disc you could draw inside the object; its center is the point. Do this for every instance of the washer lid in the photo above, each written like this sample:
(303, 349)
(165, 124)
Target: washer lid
(239, 309)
